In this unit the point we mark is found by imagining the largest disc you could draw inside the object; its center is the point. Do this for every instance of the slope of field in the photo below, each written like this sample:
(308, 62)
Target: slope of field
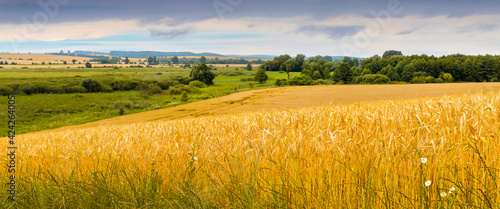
(409, 153)
(295, 97)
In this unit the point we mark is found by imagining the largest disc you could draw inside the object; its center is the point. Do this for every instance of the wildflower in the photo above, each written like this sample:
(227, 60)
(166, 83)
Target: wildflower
(423, 160)
(452, 189)
(443, 194)
(428, 183)
(195, 158)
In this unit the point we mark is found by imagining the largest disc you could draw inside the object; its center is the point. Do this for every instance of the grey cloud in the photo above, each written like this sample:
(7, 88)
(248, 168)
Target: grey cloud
(409, 31)
(195, 10)
(482, 28)
(169, 35)
(333, 32)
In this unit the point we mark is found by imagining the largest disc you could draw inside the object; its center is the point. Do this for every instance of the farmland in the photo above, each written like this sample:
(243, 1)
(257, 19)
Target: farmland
(402, 153)
(46, 111)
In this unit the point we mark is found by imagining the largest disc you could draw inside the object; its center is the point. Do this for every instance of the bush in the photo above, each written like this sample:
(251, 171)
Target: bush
(198, 84)
(233, 73)
(178, 89)
(322, 82)
(124, 84)
(301, 81)
(280, 82)
(74, 89)
(247, 79)
(92, 85)
(5, 91)
(149, 89)
(40, 88)
(372, 79)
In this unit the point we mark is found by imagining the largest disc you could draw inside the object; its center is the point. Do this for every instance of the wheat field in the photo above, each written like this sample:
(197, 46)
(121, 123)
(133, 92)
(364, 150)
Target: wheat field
(409, 153)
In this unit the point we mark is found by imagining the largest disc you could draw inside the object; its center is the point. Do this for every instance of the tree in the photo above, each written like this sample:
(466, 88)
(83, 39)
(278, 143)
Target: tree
(300, 59)
(202, 73)
(328, 58)
(249, 67)
(175, 60)
(203, 59)
(74, 61)
(261, 76)
(391, 53)
(289, 66)
(448, 78)
(88, 65)
(355, 62)
(126, 60)
(349, 61)
(65, 62)
(343, 73)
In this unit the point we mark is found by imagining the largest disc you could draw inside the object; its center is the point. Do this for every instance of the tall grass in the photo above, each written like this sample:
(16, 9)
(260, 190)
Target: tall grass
(362, 155)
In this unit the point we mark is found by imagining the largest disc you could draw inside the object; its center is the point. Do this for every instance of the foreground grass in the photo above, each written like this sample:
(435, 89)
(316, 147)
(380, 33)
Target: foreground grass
(363, 155)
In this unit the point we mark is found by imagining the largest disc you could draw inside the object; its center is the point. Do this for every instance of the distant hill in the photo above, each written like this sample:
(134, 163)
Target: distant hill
(146, 54)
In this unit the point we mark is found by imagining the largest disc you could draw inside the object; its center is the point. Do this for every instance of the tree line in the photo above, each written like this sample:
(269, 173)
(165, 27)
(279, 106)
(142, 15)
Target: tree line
(392, 67)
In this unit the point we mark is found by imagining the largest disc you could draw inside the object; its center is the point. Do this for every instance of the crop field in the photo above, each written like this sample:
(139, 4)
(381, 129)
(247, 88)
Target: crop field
(404, 153)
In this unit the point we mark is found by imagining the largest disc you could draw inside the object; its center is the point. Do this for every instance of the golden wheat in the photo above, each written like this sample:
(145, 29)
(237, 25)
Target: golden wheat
(341, 156)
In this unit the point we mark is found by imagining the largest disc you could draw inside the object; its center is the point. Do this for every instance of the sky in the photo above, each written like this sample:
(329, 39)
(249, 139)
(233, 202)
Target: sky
(360, 28)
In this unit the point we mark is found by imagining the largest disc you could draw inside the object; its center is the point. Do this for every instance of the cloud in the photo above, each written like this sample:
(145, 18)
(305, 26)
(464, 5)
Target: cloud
(169, 35)
(333, 32)
(478, 28)
(18, 11)
(408, 32)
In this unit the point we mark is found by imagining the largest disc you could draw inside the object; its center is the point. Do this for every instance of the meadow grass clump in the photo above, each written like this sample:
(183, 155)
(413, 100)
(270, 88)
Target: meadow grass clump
(416, 153)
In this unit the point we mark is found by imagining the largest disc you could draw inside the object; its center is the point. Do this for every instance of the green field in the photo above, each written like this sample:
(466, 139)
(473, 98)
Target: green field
(48, 111)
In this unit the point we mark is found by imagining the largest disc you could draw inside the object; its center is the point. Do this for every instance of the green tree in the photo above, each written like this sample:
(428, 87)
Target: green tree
(249, 67)
(203, 59)
(316, 75)
(175, 60)
(448, 78)
(349, 61)
(126, 60)
(390, 73)
(74, 61)
(202, 73)
(261, 76)
(289, 66)
(343, 73)
(391, 53)
(65, 62)
(88, 65)
(355, 62)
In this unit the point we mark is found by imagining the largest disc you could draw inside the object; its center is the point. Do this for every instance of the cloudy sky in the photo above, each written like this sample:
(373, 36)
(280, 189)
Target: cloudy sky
(313, 27)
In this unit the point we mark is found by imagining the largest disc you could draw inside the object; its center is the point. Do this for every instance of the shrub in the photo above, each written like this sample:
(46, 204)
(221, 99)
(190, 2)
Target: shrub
(92, 85)
(178, 89)
(301, 81)
(5, 91)
(233, 73)
(247, 79)
(74, 89)
(149, 89)
(280, 82)
(184, 97)
(372, 79)
(198, 84)
(119, 84)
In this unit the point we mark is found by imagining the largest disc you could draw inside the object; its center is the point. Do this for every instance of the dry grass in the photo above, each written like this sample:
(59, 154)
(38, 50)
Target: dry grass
(361, 155)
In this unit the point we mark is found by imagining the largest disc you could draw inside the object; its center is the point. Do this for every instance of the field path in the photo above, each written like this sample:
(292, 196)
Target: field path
(295, 97)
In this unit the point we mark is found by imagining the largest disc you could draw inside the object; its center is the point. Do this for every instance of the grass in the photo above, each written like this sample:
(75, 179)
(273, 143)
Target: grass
(361, 155)
(50, 111)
